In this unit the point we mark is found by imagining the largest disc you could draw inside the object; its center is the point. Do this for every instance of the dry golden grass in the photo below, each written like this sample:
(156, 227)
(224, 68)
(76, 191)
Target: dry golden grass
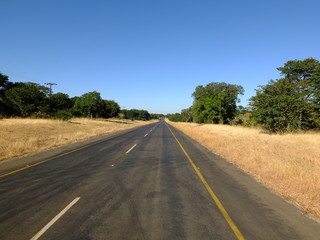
(22, 136)
(287, 164)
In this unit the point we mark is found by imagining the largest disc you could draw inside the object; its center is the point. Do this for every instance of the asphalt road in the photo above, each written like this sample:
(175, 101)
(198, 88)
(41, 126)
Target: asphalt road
(149, 183)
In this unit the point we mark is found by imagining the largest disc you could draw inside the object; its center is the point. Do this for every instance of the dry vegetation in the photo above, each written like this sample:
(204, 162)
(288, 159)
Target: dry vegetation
(287, 164)
(22, 136)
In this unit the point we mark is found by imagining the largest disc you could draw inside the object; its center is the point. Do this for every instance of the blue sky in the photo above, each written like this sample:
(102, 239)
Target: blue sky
(151, 54)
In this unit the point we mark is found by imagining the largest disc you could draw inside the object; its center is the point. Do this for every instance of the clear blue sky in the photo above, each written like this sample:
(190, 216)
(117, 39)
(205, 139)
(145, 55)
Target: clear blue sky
(151, 54)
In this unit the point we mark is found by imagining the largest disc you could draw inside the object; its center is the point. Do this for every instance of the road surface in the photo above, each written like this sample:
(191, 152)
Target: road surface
(149, 183)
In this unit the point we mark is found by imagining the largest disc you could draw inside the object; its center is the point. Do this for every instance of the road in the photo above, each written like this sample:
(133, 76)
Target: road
(150, 183)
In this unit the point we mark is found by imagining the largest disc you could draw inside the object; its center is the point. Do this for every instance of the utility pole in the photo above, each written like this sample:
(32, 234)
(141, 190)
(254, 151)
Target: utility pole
(50, 84)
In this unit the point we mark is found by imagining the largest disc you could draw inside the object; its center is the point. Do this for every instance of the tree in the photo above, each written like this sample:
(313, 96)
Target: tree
(215, 102)
(156, 116)
(89, 105)
(292, 102)
(186, 115)
(135, 114)
(4, 81)
(26, 98)
(4, 84)
(112, 108)
(60, 101)
(144, 115)
(306, 75)
(176, 117)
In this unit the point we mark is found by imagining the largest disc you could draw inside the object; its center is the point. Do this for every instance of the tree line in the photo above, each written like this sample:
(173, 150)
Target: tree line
(283, 105)
(27, 99)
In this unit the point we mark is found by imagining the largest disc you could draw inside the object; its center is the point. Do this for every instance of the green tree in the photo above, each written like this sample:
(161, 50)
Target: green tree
(305, 74)
(144, 115)
(89, 105)
(4, 84)
(292, 102)
(27, 98)
(135, 114)
(175, 117)
(4, 81)
(186, 115)
(132, 114)
(156, 116)
(60, 101)
(112, 108)
(215, 102)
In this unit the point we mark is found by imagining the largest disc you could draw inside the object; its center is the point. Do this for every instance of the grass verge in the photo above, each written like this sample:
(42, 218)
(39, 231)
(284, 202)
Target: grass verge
(23, 136)
(287, 164)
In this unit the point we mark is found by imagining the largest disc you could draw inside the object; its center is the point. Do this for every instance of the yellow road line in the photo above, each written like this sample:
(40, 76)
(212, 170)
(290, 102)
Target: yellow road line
(212, 194)
(38, 163)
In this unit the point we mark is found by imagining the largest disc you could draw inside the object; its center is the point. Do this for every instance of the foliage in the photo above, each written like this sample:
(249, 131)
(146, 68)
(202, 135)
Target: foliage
(4, 85)
(112, 109)
(176, 117)
(26, 98)
(156, 116)
(215, 102)
(186, 115)
(60, 101)
(135, 114)
(245, 119)
(292, 102)
(64, 115)
(34, 100)
(4, 81)
(89, 105)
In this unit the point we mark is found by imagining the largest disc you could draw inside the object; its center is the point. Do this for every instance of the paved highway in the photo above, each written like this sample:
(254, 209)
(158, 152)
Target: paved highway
(149, 183)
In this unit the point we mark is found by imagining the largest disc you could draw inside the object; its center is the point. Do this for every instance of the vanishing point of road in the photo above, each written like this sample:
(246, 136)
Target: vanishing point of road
(152, 182)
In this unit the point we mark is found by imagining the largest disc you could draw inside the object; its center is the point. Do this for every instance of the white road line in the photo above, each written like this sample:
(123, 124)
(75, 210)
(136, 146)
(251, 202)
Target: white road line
(131, 148)
(45, 228)
(146, 135)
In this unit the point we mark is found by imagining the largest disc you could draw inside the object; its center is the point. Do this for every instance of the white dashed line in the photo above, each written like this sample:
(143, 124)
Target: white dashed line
(131, 148)
(46, 227)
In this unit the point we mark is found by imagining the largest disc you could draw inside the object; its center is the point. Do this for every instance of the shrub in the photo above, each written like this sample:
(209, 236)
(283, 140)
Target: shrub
(245, 119)
(64, 115)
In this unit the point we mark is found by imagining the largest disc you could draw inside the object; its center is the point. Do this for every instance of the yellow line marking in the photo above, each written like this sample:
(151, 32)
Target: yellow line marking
(38, 163)
(212, 194)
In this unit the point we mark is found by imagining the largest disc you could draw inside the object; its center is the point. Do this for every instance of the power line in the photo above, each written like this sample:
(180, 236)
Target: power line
(50, 84)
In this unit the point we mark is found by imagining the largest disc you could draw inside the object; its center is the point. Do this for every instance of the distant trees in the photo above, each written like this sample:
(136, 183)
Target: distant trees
(156, 116)
(292, 102)
(175, 117)
(135, 114)
(283, 105)
(186, 115)
(33, 100)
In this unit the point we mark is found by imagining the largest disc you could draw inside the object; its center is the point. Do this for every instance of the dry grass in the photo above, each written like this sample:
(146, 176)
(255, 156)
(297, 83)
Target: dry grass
(22, 136)
(287, 164)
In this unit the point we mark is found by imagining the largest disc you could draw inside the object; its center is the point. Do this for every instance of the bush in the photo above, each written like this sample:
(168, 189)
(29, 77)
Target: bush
(244, 119)
(64, 115)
